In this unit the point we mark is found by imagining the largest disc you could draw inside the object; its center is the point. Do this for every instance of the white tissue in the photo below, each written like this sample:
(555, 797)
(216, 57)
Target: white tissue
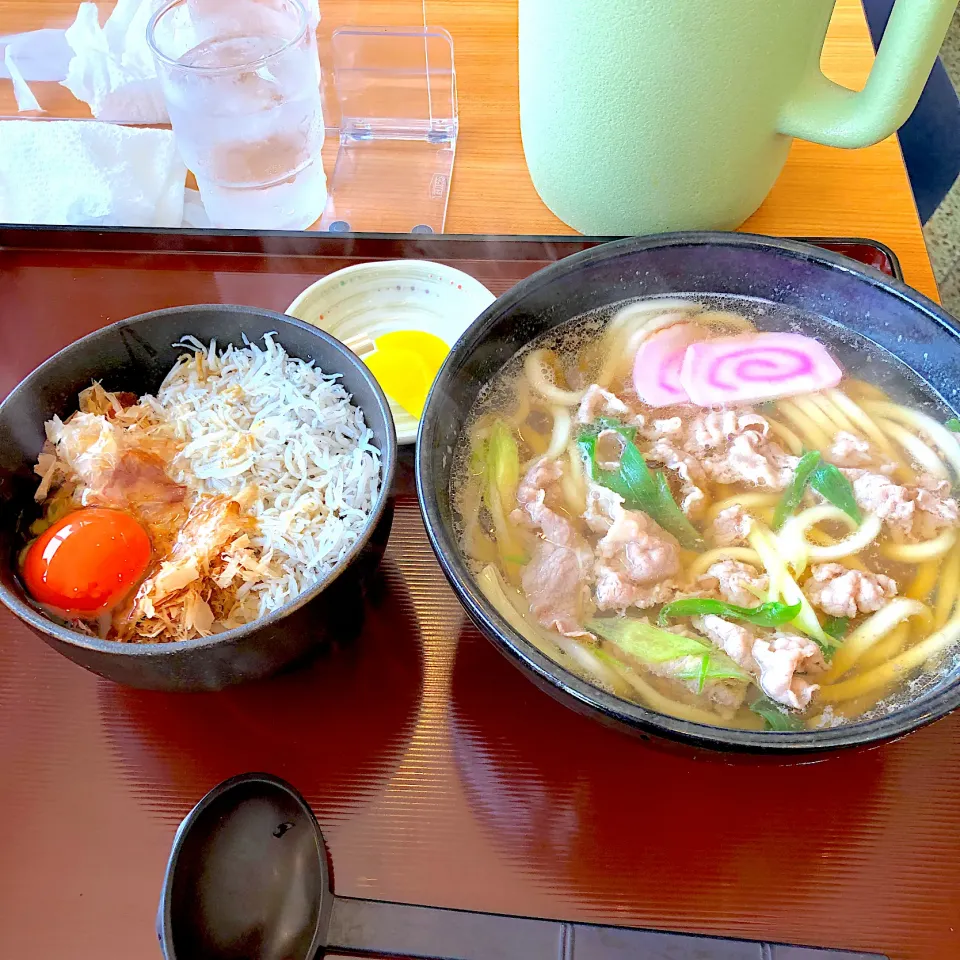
(39, 54)
(21, 89)
(195, 214)
(112, 68)
(87, 172)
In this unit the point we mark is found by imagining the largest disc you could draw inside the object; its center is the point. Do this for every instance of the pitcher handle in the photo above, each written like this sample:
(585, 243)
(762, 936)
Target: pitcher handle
(826, 112)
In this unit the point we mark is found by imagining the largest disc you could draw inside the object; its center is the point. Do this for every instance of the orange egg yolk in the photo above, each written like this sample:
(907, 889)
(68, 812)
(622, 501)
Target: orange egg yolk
(88, 561)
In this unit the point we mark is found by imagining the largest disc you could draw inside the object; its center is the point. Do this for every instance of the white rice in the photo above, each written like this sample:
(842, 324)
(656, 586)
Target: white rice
(282, 438)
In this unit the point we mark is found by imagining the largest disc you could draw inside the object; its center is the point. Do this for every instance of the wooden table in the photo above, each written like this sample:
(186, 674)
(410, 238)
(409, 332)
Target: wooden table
(822, 191)
(426, 792)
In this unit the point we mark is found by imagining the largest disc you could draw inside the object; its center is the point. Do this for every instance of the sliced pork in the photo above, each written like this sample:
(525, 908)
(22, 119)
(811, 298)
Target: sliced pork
(639, 546)
(848, 450)
(634, 557)
(615, 590)
(665, 427)
(557, 584)
(750, 458)
(916, 512)
(780, 662)
(541, 483)
(598, 402)
(735, 640)
(731, 527)
(784, 661)
(712, 431)
(602, 504)
(689, 472)
(734, 447)
(539, 498)
(854, 452)
(558, 578)
(843, 592)
(739, 583)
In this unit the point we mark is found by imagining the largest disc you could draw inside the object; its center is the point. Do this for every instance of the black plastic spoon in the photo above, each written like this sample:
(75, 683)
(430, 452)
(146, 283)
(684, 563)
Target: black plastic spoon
(247, 879)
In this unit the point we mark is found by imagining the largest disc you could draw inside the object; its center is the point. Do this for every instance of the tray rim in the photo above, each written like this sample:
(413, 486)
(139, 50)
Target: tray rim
(305, 243)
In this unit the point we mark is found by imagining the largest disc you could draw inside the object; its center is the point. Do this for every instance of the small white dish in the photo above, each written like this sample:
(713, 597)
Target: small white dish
(363, 302)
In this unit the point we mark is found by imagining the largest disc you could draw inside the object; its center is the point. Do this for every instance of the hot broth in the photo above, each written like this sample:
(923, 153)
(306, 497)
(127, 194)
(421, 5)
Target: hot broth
(787, 558)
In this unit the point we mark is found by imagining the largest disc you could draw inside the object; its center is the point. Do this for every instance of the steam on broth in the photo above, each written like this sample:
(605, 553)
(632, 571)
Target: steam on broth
(786, 558)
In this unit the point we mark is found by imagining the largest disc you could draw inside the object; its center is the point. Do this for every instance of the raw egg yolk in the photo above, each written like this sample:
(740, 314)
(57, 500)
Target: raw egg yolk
(88, 561)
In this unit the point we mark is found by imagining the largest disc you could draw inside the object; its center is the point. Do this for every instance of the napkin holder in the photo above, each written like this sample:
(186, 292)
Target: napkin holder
(396, 92)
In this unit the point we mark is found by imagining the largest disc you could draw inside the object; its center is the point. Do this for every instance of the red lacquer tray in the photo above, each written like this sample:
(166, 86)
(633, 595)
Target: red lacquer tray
(438, 773)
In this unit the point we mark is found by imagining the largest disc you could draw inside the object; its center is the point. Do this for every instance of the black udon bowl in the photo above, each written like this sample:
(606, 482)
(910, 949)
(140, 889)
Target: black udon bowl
(892, 315)
(135, 355)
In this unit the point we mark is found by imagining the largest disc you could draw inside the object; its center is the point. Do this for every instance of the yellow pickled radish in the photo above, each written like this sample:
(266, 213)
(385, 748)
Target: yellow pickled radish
(405, 363)
(433, 350)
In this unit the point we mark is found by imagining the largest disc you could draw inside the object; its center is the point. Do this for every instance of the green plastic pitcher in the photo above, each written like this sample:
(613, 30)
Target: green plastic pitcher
(640, 116)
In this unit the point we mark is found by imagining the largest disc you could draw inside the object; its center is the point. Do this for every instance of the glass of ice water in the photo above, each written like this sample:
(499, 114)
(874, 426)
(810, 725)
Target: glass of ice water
(241, 79)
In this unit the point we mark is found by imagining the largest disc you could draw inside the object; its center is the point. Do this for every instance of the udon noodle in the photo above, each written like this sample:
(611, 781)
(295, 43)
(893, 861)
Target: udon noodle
(780, 562)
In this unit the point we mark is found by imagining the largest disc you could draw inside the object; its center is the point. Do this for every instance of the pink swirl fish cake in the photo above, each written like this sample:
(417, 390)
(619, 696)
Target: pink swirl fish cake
(756, 366)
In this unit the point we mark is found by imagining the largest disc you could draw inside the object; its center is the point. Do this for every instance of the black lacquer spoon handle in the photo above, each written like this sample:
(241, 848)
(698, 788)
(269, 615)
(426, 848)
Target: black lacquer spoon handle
(401, 930)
